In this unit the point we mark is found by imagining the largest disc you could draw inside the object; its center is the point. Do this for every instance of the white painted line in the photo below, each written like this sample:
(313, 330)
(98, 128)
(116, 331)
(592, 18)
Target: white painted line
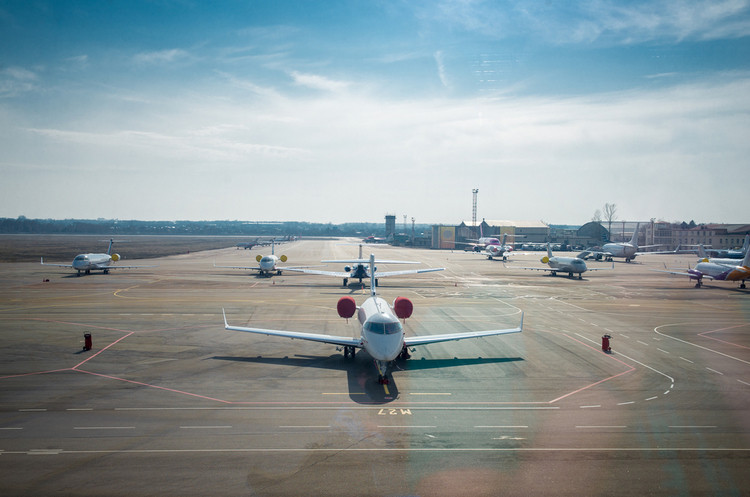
(719, 372)
(693, 427)
(607, 329)
(642, 343)
(626, 403)
(652, 398)
(204, 427)
(11, 428)
(405, 426)
(590, 407)
(500, 427)
(620, 426)
(80, 409)
(624, 336)
(32, 410)
(688, 360)
(104, 428)
(430, 393)
(744, 383)
(660, 350)
(44, 452)
(304, 426)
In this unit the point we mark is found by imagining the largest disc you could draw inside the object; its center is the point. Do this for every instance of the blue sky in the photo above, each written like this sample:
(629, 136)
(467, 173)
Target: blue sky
(346, 111)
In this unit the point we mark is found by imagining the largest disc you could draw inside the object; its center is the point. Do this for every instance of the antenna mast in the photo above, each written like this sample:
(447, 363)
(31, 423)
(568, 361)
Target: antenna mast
(474, 207)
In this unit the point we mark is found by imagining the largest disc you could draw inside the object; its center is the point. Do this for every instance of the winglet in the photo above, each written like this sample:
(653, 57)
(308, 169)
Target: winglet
(226, 325)
(520, 326)
(373, 280)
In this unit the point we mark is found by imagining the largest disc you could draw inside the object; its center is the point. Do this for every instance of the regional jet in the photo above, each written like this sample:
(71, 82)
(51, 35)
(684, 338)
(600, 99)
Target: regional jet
(731, 254)
(628, 250)
(85, 263)
(381, 333)
(714, 271)
(360, 271)
(570, 265)
(267, 264)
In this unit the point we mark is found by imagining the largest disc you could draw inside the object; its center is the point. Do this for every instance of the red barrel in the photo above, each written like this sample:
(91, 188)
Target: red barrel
(87, 341)
(605, 343)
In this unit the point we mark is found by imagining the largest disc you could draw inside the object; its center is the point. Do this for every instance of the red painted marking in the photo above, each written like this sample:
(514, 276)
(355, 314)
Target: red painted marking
(724, 341)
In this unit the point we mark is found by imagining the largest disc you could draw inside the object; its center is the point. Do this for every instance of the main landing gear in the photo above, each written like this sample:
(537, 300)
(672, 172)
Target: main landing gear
(349, 352)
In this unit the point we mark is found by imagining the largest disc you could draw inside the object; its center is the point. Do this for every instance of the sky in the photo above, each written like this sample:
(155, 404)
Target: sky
(345, 111)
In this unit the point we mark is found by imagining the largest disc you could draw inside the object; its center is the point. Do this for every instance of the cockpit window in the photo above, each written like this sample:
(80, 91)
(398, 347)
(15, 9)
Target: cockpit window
(383, 328)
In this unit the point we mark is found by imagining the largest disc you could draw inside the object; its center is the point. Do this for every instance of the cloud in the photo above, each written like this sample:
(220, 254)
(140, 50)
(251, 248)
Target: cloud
(16, 80)
(161, 56)
(441, 68)
(318, 82)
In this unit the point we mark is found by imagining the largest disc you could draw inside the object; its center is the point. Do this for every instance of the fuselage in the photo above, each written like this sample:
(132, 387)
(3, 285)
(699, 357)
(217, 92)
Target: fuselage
(87, 262)
(268, 263)
(382, 333)
(721, 272)
(626, 250)
(568, 265)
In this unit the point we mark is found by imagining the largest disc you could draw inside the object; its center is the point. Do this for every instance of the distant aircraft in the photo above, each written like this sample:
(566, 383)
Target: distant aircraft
(360, 270)
(85, 263)
(570, 265)
(714, 271)
(267, 264)
(381, 335)
(501, 249)
(731, 254)
(628, 250)
(374, 239)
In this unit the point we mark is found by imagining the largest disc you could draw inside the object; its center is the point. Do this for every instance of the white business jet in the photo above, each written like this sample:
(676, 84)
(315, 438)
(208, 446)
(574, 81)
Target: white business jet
(267, 264)
(360, 271)
(85, 263)
(570, 265)
(381, 335)
(628, 250)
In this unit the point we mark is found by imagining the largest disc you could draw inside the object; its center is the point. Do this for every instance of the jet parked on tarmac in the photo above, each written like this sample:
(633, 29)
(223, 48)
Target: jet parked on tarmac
(267, 264)
(85, 263)
(628, 250)
(714, 271)
(570, 265)
(381, 333)
(359, 270)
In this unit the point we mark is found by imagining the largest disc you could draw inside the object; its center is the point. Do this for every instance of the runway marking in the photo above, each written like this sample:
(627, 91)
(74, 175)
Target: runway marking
(626, 403)
(692, 427)
(688, 360)
(744, 383)
(304, 426)
(430, 393)
(343, 393)
(501, 427)
(652, 398)
(11, 428)
(590, 407)
(624, 336)
(204, 427)
(32, 410)
(104, 427)
(642, 343)
(405, 426)
(656, 330)
(719, 372)
(614, 426)
(724, 329)
(660, 350)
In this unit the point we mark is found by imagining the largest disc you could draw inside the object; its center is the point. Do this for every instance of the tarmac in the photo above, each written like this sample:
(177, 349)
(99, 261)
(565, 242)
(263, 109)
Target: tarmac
(168, 402)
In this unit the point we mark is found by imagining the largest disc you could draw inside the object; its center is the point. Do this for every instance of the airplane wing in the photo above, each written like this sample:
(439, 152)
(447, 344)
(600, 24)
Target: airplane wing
(339, 274)
(683, 273)
(594, 253)
(117, 266)
(536, 268)
(383, 274)
(428, 339)
(57, 265)
(600, 268)
(256, 268)
(313, 337)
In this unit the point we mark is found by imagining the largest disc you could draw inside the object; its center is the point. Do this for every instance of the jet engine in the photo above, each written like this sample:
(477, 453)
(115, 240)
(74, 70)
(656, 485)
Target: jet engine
(545, 259)
(346, 307)
(258, 257)
(115, 257)
(283, 258)
(347, 268)
(403, 307)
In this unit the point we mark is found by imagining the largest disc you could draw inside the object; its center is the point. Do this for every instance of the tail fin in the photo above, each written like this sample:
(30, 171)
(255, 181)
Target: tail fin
(746, 245)
(746, 260)
(273, 246)
(505, 236)
(373, 280)
(701, 251)
(634, 240)
(109, 249)
(360, 250)
(549, 251)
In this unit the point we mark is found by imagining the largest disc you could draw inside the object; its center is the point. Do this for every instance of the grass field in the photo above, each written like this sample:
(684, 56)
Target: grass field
(62, 248)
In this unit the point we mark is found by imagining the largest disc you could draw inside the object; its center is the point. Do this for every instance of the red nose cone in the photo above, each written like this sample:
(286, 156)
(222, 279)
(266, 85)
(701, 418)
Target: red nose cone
(346, 307)
(403, 307)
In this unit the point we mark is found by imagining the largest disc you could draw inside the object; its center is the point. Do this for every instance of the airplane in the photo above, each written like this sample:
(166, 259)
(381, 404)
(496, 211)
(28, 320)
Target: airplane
(628, 250)
(570, 265)
(85, 263)
(381, 335)
(715, 271)
(501, 249)
(703, 257)
(360, 270)
(267, 264)
(731, 254)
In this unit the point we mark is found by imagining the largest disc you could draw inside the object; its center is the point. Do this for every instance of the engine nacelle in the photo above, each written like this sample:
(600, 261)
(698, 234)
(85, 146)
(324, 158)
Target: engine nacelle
(346, 307)
(347, 269)
(283, 258)
(403, 307)
(258, 257)
(115, 257)
(545, 259)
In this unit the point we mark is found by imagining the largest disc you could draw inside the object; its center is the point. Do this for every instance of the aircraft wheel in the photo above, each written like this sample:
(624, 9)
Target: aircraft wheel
(376, 282)
(346, 281)
(742, 285)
